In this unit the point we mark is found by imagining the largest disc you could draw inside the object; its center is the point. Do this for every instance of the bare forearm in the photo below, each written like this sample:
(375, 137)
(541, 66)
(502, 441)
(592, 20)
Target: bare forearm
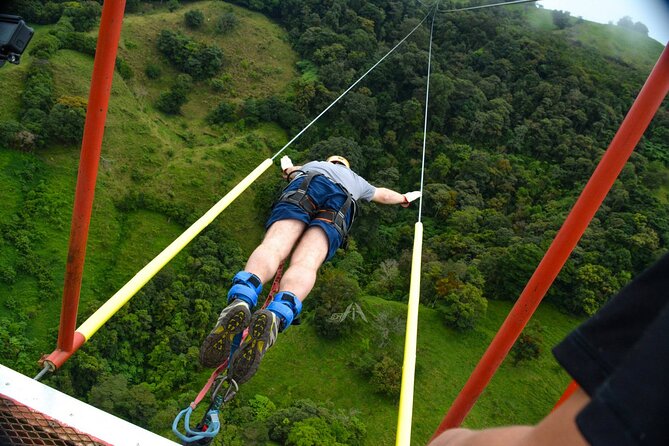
(557, 429)
(513, 435)
(388, 196)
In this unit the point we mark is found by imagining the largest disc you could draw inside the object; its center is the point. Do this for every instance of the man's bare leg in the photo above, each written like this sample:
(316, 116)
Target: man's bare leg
(311, 251)
(295, 285)
(276, 246)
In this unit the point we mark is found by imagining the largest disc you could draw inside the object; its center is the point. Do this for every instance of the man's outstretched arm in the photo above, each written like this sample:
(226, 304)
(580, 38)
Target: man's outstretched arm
(388, 196)
(557, 429)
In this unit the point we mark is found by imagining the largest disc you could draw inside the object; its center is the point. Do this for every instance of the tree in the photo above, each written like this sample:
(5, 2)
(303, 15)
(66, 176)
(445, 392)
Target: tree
(595, 284)
(640, 28)
(507, 270)
(626, 22)
(84, 15)
(464, 307)
(334, 303)
(311, 432)
(560, 18)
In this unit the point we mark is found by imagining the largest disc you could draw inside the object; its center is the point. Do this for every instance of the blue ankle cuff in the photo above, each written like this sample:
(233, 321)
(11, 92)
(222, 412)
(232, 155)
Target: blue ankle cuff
(287, 306)
(246, 287)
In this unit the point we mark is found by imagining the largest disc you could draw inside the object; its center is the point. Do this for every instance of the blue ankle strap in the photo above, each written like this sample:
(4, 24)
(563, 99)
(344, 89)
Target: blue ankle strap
(287, 306)
(246, 287)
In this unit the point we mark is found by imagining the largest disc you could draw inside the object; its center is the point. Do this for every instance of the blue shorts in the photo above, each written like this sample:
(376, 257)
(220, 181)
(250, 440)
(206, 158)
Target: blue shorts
(326, 195)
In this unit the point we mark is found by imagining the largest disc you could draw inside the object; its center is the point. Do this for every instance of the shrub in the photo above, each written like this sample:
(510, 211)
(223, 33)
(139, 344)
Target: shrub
(80, 42)
(226, 23)
(221, 83)
(303, 421)
(197, 59)
(123, 68)
(462, 308)
(65, 122)
(84, 15)
(387, 376)
(38, 91)
(170, 102)
(7, 274)
(173, 5)
(46, 47)
(153, 71)
(194, 18)
(8, 133)
(528, 344)
(224, 112)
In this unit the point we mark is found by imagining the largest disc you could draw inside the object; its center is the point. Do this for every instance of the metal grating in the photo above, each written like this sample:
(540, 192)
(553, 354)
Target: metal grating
(20, 425)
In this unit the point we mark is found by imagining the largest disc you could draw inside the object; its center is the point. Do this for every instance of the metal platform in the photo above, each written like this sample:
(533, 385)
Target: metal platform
(32, 413)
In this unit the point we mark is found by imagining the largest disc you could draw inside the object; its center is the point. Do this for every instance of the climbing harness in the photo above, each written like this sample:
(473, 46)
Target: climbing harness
(337, 217)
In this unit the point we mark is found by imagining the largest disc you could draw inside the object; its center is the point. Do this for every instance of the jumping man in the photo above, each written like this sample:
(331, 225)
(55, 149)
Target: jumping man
(311, 220)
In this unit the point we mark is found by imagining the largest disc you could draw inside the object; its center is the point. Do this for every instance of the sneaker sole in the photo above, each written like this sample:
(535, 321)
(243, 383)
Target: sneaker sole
(246, 359)
(216, 347)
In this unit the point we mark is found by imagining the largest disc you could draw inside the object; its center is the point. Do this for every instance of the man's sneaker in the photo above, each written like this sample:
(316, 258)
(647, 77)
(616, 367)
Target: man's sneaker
(216, 347)
(263, 330)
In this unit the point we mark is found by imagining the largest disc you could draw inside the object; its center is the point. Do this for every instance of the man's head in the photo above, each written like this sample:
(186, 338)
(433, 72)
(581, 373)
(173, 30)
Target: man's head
(336, 159)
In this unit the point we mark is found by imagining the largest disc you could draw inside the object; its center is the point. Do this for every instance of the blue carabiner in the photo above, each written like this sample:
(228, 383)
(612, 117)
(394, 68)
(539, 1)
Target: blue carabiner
(214, 426)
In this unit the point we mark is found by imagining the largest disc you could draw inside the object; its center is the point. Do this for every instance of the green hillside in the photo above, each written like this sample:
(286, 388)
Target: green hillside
(520, 112)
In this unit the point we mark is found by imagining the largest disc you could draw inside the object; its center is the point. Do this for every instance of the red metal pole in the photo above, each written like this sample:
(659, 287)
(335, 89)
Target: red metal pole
(96, 115)
(569, 391)
(646, 104)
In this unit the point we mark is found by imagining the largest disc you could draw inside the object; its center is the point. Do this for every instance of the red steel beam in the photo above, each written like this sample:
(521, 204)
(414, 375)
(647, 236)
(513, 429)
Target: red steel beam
(96, 115)
(569, 391)
(635, 123)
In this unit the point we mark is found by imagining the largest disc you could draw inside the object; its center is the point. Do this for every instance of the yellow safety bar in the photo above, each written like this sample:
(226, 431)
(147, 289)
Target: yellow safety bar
(409, 365)
(106, 311)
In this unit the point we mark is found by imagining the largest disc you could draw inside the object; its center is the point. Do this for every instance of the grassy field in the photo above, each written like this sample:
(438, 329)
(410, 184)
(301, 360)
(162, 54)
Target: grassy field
(179, 161)
(303, 365)
(620, 44)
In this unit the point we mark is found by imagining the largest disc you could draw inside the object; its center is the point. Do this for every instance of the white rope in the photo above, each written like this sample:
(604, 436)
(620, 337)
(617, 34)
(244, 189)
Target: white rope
(427, 97)
(515, 2)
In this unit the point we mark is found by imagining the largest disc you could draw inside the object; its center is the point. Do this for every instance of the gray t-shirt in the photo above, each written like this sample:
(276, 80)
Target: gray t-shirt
(354, 183)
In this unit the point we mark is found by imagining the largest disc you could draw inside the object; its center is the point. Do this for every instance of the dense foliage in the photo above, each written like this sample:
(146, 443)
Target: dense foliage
(518, 120)
(195, 58)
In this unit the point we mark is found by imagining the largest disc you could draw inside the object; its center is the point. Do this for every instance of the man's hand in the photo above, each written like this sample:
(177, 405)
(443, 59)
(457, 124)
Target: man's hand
(286, 164)
(409, 197)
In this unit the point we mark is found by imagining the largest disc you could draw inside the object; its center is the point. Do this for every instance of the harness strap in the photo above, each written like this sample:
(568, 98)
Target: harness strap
(300, 198)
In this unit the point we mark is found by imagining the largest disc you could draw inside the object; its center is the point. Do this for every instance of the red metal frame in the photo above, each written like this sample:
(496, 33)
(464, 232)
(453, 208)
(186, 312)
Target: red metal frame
(635, 123)
(96, 115)
(569, 391)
